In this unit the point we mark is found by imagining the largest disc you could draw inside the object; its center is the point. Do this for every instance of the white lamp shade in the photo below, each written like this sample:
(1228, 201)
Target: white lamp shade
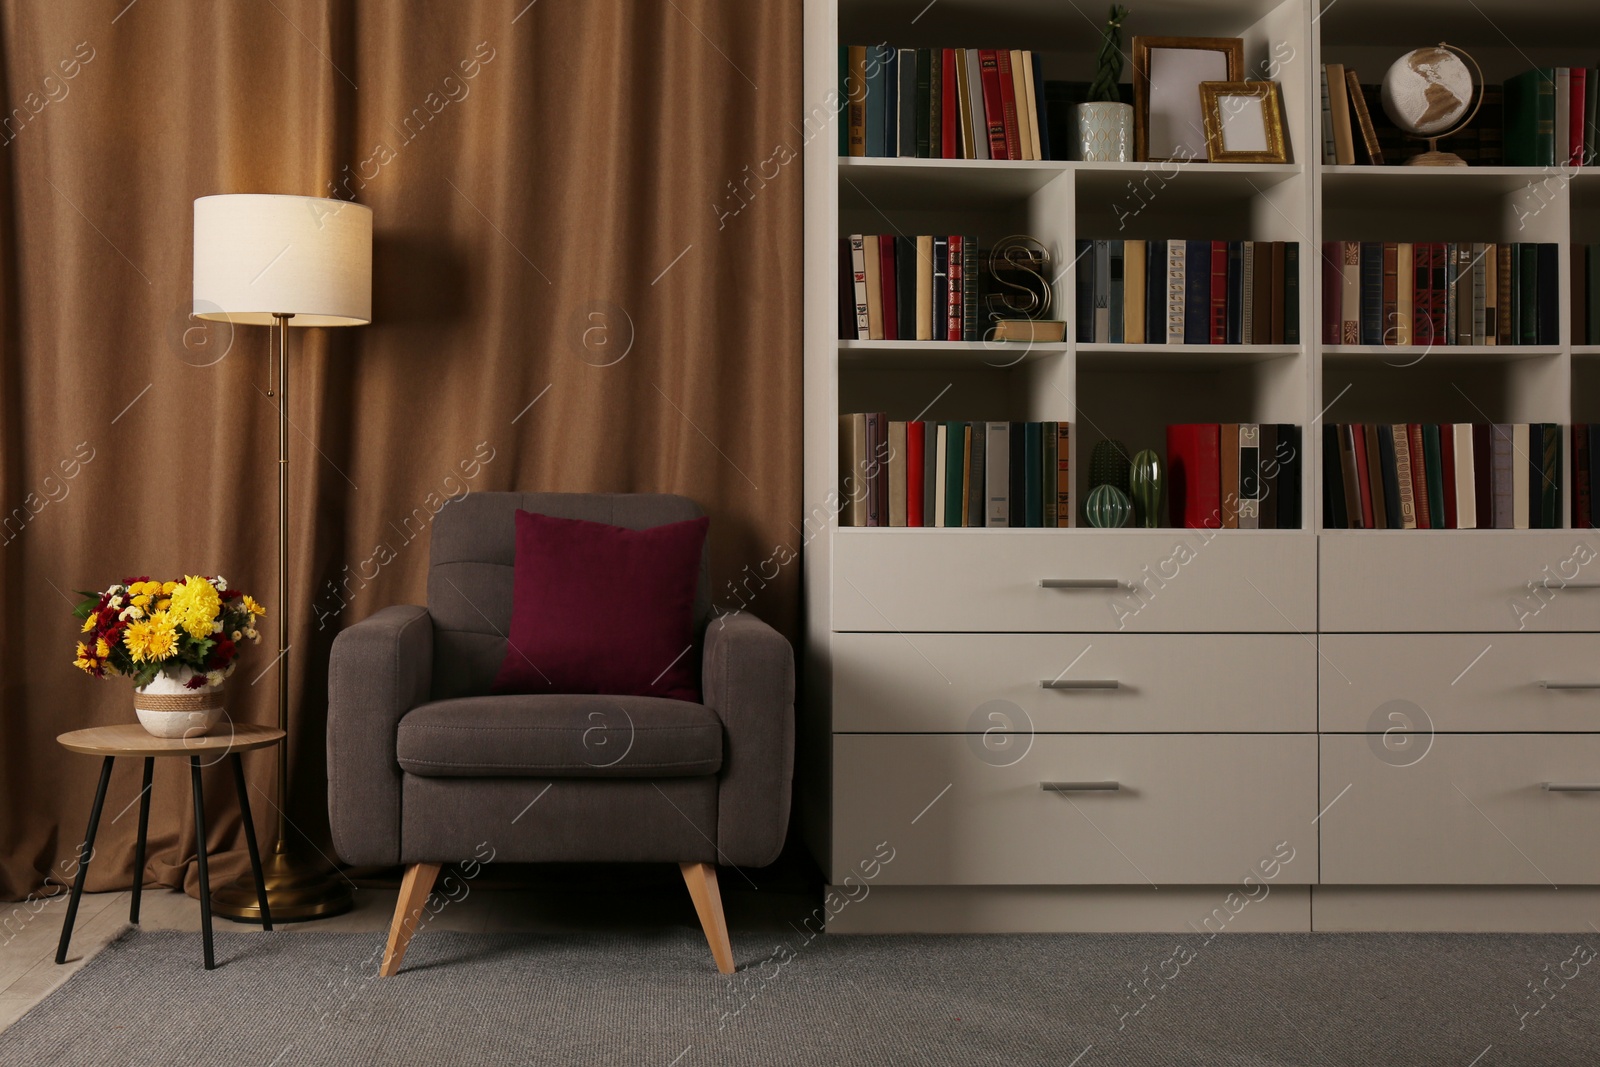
(259, 255)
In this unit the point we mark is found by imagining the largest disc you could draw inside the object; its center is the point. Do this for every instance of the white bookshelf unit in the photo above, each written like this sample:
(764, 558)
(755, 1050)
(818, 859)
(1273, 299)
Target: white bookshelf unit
(1386, 707)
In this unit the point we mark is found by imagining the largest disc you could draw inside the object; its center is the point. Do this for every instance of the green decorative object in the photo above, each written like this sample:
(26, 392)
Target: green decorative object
(1146, 482)
(1108, 465)
(1107, 507)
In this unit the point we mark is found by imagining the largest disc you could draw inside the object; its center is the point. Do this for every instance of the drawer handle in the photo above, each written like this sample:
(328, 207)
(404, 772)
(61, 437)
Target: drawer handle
(1088, 787)
(1080, 583)
(1087, 683)
(1569, 685)
(1570, 585)
(1572, 787)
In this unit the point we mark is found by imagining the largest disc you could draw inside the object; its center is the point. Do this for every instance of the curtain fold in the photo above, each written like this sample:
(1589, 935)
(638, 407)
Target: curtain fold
(558, 306)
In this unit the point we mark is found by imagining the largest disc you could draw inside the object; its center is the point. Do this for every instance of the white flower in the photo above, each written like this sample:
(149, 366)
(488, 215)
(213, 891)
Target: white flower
(115, 602)
(253, 634)
(221, 584)
(214, 678)
(134, 613)
(236, 635)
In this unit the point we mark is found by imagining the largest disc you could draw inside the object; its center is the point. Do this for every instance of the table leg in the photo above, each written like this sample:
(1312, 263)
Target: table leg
(200, 854)
(250, 840)
(85, 851)
(138, 848)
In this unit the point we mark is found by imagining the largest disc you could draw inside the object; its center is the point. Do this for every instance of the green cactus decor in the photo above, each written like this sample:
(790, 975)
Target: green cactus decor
(1146, 483)
(1108, 465)
(1107, 507)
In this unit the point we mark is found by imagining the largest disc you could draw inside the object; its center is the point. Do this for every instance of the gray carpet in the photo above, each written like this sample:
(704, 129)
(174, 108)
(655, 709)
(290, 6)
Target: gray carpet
(653, 999)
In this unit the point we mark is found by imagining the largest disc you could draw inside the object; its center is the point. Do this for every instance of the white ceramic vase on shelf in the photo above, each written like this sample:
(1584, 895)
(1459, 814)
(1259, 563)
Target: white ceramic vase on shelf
(168, 708)
(1105, 129)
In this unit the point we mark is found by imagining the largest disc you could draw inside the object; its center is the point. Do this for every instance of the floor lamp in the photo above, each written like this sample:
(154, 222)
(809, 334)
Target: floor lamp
(283, 261)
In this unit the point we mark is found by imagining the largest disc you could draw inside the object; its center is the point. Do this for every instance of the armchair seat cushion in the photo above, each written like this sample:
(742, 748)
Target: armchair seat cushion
(560, 736)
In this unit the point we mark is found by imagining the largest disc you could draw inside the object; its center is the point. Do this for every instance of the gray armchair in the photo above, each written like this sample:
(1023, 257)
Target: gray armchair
(425, 768)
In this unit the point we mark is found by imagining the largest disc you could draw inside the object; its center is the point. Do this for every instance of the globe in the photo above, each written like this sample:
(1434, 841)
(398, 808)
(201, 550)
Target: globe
(1428, 91)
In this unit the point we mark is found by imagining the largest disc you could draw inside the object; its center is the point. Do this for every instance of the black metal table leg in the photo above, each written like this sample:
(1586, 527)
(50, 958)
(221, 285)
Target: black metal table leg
(138, 848)
(250, 840)
(85, 851)
(200, 854)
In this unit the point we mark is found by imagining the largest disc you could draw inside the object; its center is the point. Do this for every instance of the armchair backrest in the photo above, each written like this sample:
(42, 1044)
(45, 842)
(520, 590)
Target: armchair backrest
(471, 563)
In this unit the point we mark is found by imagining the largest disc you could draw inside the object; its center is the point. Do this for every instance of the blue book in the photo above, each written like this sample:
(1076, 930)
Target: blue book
(891, 101)
(1197, 293)
(906, 103)
(1034, 466)
(1117, 331)
(1235, 332)
(877, 93)
(1041, 120)
(1083, 274)
(1155, 292)
(1372, 292)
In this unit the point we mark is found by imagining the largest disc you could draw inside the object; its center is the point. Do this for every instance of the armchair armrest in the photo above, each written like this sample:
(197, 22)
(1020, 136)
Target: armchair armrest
(747, 678)
(380, 668)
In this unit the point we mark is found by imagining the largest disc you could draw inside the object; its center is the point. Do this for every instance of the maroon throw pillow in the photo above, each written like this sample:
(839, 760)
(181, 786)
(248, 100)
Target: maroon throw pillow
(603, 609)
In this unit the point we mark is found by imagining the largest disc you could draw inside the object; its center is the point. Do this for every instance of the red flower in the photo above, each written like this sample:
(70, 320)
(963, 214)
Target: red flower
(221, 655)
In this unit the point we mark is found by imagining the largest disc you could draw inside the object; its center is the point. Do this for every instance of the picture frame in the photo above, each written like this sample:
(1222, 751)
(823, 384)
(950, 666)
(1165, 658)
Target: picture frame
(1168, 123)
(1243, 122)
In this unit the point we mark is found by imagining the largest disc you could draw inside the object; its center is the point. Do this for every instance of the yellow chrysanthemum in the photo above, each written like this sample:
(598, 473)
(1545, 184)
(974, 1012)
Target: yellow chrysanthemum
(101, 649)
(164, 603)
(194, 606)
(88, 624)
(152, 639)
(168, 588)
(83, 650)
(252, 607)
(141, 600)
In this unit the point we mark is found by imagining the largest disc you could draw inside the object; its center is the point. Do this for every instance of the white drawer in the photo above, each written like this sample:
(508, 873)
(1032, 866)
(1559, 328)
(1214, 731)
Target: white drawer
(1134, 580)
(1103, 683)
(1468, 580)
(1191, 809)
(1459, 682)
(1473, 810)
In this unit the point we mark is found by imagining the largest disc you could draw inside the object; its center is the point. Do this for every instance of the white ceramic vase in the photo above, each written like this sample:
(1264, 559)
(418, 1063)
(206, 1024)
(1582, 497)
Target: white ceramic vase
(167, 708)
(1105, 132)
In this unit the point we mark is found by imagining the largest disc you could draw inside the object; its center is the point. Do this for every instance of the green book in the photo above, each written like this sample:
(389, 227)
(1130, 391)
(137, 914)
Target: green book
(1527, 257)
(1034, 460)
(1550, 482)
(925, 106)
(1434, 464)
(955, 486)
(1530, 118)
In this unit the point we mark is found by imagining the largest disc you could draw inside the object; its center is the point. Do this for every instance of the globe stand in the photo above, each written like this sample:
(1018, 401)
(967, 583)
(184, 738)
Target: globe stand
(1433, 157)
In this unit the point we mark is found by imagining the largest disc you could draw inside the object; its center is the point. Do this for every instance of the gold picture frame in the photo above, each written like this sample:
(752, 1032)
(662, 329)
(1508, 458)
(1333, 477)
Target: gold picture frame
(1250, 115)
(1168, 80)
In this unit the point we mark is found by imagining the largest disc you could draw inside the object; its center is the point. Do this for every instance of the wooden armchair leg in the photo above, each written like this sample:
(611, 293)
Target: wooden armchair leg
(702, 881)
(414, 890)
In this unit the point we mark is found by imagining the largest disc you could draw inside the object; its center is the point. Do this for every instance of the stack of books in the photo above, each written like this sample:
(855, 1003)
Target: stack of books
(1234, 475)
(1550, 117)
(895, 288)
(1204, 292)
(942, 103)
(995, 474)
(1439, 293)
(1454, 476)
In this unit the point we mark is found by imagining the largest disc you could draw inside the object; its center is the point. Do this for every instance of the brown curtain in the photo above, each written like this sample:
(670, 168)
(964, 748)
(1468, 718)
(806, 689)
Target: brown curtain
(586, 278)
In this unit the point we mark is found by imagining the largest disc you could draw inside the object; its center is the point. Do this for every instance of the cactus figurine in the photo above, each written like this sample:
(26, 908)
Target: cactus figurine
(1108, 465)
(1145, 482)
(1107, 507)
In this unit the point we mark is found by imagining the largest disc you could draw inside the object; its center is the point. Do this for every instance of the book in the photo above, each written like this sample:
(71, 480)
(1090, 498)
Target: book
(1500, 477)
(1290, 485)
(1562, 128)
(1083, 288)
(1176, 289)
(899, 494)
(1504, 316)
(1466, 478)
(1033, 473)
(1333, 510)
(955, 282)
(1390, 294)
(941, 289)
(1358, 104)
(905, 271)
(1197, 293)
(847, 293)
(971, 326)
(1433, 474)
(1329, 149)
(1234, 295)
(1133, 297)
(934, 103)
(1359, 514)
(1116, 326)
(1388, 470)
(997, 473)
(874, 264)
(1332, 289)
(1271, 468)
(1550, 478)
(887, 281)
(1530, 118)
(1380, 511)
(1063, 475)
(1030, 107)
(1547, 294)
(977, 447)
(1048, 468)
(1266, 266)
(852, 473)
(1155, 289)
(877, 123)
(1405, 289)
(1042, 124)
(1228, 448)
(1521, 483)
(1249, 487)
(977, 118)
(1008, 105)
(856, 94)
(955, 454)
(1350, 299)
(1447, 477)
(1291, 293)
(1578, 79)
(1491, 294)
(1405, 497)
(1194, 494)
(916, 480)
(1102, 292)
(993, 105)
(949, 147)
(931, 474)
(1365, 480)
(1419, 476)
(924, 298)
(1019, 90)
(906, 102)
(1018, 494)
(1339, 101)
(1581, 502)
(1218, 265)
(1371, 281)
(877, 496)
(858, 267)
(1247, 292)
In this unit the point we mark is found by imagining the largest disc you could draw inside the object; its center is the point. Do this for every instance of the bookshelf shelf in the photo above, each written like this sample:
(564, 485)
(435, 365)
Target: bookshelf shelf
(1110, 356)
(976, 355)
(933, 183)
(1411, 355)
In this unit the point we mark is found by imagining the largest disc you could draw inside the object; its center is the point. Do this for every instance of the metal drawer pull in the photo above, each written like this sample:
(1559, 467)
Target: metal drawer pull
(1569, 685)
(1085, 683)
(1572, 787)
(1087, 787)
(1570, 585)
(1080, 583)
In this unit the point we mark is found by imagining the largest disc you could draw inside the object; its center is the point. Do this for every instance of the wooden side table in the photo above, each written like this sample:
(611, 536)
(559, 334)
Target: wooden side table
(131, 739)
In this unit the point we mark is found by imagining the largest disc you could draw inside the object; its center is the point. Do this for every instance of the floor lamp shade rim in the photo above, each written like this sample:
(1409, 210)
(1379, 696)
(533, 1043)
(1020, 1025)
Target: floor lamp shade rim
(260, 255)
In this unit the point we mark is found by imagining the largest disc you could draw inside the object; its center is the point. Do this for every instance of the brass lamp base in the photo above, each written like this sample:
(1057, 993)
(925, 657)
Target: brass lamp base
(298, 889)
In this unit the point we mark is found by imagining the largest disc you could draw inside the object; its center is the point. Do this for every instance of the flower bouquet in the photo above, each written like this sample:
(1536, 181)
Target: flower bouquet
(179, 641)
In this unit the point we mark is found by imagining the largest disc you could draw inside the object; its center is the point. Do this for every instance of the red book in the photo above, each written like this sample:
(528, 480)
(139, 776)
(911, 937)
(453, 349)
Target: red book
(1219, 292)
(1194, 467)
(993, 103)
(1419, 476)
(1447, 468)
(1439, 302)
(1333, 290)
(1580, 81)
(915, 449)
(1008, 104)
(955, 291)
(1483, 473)
(1422, 294)
(1580, 477)
(886, 277)
(1363, 475)
(947, 109)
